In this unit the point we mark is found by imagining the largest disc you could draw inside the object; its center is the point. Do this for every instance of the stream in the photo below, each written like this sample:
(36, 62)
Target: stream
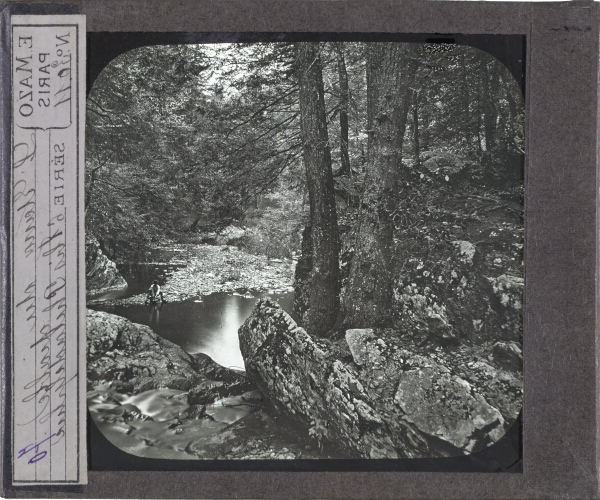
(204, 324)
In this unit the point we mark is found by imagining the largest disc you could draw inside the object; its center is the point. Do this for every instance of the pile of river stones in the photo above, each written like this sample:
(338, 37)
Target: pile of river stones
(211, 269)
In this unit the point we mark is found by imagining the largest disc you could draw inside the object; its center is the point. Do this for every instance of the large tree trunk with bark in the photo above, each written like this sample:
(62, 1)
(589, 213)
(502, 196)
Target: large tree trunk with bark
(344, 103)
(324, 278)
(391, 69)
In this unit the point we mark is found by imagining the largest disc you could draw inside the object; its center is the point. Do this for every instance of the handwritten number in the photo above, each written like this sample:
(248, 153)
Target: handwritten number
(27, 449)
(39, 454)
(37, 457)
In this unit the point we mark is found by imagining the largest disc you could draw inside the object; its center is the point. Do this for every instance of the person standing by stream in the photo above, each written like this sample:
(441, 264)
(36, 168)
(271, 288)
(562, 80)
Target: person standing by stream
(154, 292)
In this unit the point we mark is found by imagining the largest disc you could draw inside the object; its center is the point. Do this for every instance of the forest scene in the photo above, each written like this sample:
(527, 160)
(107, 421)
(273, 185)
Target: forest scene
(304, 250)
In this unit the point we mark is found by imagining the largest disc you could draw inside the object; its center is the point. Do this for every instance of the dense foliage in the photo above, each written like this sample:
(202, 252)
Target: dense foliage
(184, 139)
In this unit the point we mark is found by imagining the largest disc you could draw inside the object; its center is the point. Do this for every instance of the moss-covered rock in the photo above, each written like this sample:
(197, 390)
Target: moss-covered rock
(378, 394)
(134, 358)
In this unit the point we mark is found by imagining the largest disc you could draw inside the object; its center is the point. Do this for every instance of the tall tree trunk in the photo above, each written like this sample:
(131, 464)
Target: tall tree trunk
(344, 103)
(302, 277)
(324, 278)
(391, 69)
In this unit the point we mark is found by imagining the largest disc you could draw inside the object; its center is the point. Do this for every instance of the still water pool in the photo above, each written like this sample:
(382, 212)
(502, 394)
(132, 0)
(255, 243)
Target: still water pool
(207, 324)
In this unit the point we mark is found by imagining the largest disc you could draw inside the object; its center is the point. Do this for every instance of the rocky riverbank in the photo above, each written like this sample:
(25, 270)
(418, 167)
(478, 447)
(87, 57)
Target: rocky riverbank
(369, 394)
(101, 273)
(380, 395)
(150, 398)
(222, 268)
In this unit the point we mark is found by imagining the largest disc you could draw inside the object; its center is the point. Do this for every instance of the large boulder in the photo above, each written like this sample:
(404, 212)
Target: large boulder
(133, 355)
(101, 273)
(152, 399)
(132, 358)
(443, 405)
(299, 377)
(376, 395)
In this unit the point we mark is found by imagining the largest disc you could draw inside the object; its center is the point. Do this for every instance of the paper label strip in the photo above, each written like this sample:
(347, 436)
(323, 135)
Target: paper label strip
(47, 250)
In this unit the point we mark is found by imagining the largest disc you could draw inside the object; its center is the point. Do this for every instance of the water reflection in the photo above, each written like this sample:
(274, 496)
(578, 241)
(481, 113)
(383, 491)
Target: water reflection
(154, 316)
(208, 324)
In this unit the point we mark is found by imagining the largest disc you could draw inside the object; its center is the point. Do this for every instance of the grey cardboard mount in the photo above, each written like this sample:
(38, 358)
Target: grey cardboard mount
(560, 424)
